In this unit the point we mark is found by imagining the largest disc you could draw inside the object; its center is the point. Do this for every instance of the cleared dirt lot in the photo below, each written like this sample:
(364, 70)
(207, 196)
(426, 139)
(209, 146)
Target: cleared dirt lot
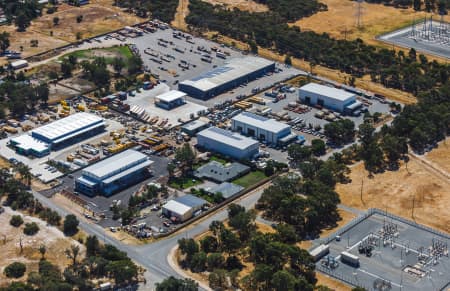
(397, 192)
(98, 17)
(53, 239)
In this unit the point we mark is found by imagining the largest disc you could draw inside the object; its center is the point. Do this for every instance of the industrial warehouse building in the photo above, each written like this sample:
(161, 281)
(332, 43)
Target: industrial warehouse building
(233, 74)
(114, 174)
(193, 127)
(183, 208)
(259, 127)
(227, 143)
(328, 97)
(58, 134)
(170, 100)
(219, 172)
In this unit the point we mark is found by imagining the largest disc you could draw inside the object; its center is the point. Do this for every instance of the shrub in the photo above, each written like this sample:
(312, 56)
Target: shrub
(31, 228)
(16, 220)
(15, 270)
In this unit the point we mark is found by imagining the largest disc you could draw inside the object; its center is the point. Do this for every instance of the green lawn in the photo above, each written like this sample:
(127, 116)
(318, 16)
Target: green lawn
(220, 160)
(123, 51)
(184, 182)
(250, 179)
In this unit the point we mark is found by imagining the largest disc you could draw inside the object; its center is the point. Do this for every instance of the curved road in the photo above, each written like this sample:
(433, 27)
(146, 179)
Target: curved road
(153, 256)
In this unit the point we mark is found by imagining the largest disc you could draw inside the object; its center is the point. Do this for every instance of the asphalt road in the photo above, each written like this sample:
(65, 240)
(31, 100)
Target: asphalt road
(153, 256)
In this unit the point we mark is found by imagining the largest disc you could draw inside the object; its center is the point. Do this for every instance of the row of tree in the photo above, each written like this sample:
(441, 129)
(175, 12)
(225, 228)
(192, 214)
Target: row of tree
(293, 10)
(407, 72)
(163, 10)
(278, 263)
(20, 96)
(21, 12)
(439, 6)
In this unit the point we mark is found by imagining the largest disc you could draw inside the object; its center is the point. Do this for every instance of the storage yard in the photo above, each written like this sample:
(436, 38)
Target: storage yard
(174, 57)
(385, 252)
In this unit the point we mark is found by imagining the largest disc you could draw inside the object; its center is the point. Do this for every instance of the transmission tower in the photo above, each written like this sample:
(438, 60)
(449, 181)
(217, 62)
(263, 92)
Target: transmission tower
(359, 13)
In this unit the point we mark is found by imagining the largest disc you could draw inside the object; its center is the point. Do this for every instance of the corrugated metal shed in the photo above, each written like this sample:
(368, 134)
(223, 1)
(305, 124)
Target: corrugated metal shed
(261, 122)
(329, 92)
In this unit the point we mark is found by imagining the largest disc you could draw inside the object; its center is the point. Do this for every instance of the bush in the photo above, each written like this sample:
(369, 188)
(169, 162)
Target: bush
(16, 220)
(31, 228)
(15, 270)
(70, 225)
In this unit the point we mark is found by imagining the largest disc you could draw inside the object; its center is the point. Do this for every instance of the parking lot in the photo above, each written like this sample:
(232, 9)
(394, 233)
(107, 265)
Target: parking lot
(175, 50)
(101, 204)
(146, 99)
(393, 253)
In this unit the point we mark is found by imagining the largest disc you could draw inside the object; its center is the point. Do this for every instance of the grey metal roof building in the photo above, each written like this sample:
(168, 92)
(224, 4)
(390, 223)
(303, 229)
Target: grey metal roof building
(329, 97)
(232, 74)
(69, 129)
(260, 127)
(221, 173)
(184, 207)
(227, 143)
(193, 127)
(227, 189)
(114, 173)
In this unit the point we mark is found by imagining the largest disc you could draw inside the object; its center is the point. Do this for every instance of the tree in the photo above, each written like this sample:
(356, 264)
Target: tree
(15, 270)
(318, 147)
(197, 263)
(79, 18)
(72, 253)
(22, 22)
(42, 250)
(186, 156)
(123, 271)
(233, 263)
(174, 284)
(55, 20)
(92, 246)
(66, 68)
(253, 46)
(209, 244)
(4, 41)
(70, 225)
(188, 247)
(16, 220)
(31, 228)
(288, 60)
(25, 174)
(118, 65)
(299, 153)
(218, 280)
(215, 261)
(283, 280)
(134, 64)
(286, 233)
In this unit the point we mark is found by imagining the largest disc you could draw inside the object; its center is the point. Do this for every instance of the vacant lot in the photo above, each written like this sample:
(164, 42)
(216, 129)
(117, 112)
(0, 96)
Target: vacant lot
(340, 20)
(99, 17)
(51, 237)
(422, 187)
(441, 155)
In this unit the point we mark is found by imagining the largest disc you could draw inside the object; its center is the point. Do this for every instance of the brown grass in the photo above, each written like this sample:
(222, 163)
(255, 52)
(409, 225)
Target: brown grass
(98, 17)
(52, 238)
(394, 191)
(441, 155)
(340, 21)
(182, 12)
(331, 283)
(244, 5)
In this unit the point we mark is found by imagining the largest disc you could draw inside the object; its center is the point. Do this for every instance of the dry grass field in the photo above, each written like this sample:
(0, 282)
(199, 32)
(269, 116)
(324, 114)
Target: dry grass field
(98, 17)
(53, 239)
(441, 155)
(397, 191)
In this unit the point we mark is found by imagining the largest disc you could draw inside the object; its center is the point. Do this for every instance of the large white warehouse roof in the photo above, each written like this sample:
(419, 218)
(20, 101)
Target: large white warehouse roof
(231, 71)
(120, 164)
(68, 125)
(228, 137)
(330, 92)
(171, 96)
(260, 122)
